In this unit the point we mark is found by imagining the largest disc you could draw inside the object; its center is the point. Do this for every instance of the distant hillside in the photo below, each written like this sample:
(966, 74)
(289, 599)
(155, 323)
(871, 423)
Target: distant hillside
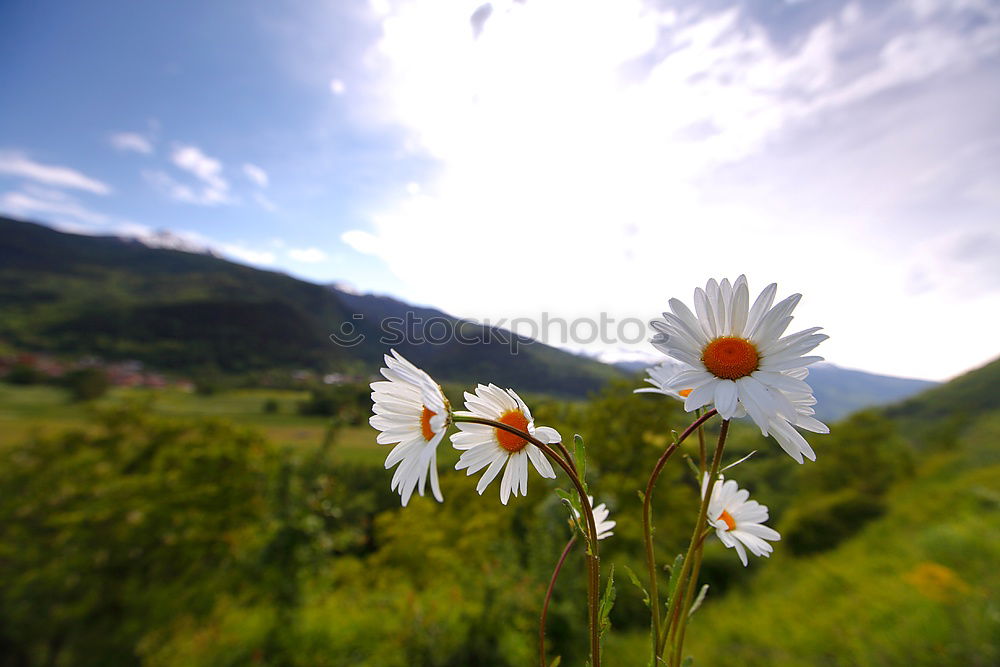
(943, 411)
(841, 391)
(185, 312)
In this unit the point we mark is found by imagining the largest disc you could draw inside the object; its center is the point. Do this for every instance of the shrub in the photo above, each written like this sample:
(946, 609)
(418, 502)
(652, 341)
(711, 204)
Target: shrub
(87, 384)
(110, 533)
(24, 374)
(828, 520)
(350, 402)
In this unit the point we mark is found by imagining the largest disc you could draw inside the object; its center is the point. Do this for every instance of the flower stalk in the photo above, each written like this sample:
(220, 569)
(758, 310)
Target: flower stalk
(647, 528)
(593, 556)
(676, 619)
(548, 597)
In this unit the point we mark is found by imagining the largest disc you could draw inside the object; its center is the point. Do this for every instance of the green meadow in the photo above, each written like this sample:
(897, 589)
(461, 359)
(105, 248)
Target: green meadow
(41, 409)
(159, 527)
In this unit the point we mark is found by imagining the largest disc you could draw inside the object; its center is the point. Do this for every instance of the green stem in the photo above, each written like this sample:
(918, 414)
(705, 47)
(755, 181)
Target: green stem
(647, 529)
(593, 555)
(673, 614)
(689, 596)
(548, 597)
(702, 458)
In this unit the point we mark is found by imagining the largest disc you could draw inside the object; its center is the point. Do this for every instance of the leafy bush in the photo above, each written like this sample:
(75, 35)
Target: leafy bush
(105, 535)
(350, 402)
(828, 520)
(87, 384)
(24, 374)
(864, 452)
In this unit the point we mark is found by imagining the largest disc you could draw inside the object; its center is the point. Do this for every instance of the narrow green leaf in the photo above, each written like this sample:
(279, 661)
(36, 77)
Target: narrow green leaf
(731, 465)
(580, 456)
(698, 600)
(675, 571)
(638, 584)
(607, 602)
(694, 467)
(572, 498)
(556, 662)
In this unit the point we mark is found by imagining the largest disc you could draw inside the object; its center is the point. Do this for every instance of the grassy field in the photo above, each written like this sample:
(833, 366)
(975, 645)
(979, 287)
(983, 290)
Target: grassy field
(918, 586)
(47, 410)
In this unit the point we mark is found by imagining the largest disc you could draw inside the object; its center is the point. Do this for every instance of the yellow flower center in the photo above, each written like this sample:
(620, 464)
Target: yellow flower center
(728, 518)
(425, 424)
(512, 443)
(730, 357)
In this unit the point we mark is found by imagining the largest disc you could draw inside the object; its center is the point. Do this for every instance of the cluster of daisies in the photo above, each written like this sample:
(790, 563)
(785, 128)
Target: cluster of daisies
(728, 354)
(411, 411)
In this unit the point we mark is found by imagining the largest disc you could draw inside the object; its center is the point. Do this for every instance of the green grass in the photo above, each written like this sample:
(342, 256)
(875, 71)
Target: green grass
(919, 586)
(41, 409)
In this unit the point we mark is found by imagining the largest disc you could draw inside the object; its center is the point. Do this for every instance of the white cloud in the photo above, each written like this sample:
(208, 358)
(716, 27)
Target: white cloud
(247, 255)
(205, 168)
(264, 202)
(181, 192)
(65, 212)
(131, 141)
(337, 87)
(15, 163)
(363, 242)
(603, 156)
(212, 188)
(61, 206)
(256, 174)
(307, 255)
(47, 194)
(380, 8)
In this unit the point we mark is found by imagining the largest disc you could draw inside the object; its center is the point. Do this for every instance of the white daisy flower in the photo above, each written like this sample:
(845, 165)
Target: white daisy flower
(660, 377)
(601, 512)
(783, 429)
(737, 520)
(488, 446)
(734, 354)
(411, 411)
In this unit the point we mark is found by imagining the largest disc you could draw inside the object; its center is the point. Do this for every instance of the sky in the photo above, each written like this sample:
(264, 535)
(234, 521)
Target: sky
(540, 158)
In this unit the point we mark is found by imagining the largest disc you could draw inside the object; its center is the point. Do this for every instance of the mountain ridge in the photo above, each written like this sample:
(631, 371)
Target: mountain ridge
(185, 309)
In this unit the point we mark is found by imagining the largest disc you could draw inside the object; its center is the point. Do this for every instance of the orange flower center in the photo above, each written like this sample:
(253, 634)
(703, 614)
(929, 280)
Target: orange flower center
(425, 424)
(728, 518)
(731, 358)
(512, 443)
(685, 392)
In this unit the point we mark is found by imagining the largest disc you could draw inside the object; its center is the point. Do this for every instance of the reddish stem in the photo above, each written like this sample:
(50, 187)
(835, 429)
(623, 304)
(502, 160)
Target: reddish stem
(548, 596)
